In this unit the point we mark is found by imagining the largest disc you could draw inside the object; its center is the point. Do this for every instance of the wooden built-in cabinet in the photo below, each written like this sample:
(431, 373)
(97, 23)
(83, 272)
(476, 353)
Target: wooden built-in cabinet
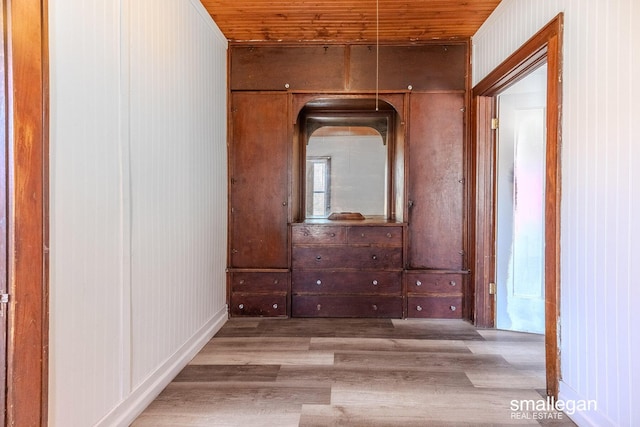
(258, 280)
(411, 263)
(351, 269)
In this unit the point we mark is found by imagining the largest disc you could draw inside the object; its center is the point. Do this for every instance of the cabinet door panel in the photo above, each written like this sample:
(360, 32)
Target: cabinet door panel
(259, 181)
(436, 184)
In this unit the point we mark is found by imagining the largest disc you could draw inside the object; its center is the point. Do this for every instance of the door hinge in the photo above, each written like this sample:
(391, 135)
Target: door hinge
(4, 300)
(494, 123)
(492, 288)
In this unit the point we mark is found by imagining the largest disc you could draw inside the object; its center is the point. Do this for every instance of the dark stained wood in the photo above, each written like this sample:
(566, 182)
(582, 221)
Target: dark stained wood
(348, 20)
(254, 304)
(259, 186)
(350, 282)
(28, 313)
(484, 255)
(544, 45)
(346, 306)
(353, 272)
(425, 67)
(287, 68)
(436, 181)
(316, 234)
(346, 257)
(434, 283)
(435, 307)
(259, 281)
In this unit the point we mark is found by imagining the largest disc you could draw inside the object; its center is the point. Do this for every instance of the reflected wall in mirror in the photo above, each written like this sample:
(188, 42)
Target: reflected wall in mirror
(346, 171)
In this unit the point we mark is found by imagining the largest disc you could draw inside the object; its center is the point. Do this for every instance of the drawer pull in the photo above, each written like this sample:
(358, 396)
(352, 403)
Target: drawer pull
(362, 235)
(389, 235)
(241, 306)
(306, 234)
(375, 307)
(275, 306)
(276, 281)
(418, 283)
(318, 257)
(452, 308)
(242, 281)
(419, 308)
(318, 282)
(375, 283)
(374, 257)
(318, 307)
(452, 283)
(332, 235)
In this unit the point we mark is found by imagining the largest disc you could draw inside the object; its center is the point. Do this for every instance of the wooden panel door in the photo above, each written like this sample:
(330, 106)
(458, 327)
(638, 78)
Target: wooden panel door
(436, 181)
(258, 173)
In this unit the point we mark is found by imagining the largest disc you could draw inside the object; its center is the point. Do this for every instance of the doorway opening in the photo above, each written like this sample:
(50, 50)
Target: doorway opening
(545, 47)
(520, 195)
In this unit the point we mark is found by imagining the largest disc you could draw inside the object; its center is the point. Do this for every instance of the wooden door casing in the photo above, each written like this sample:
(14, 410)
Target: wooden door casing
(436, 181)
(259, 174)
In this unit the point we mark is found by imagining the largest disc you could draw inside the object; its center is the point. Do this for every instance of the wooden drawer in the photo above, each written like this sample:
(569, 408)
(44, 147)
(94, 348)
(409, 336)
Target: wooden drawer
(346, 306)
(318, 234)
(434, 283)
(443, 307)
(352, 282)
(272, 305)
(259, 282)
(372, 235)
(311, 257)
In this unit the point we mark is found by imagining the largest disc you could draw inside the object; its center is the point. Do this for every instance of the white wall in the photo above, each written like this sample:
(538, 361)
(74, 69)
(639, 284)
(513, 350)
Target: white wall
(138, 201)
(600, 234)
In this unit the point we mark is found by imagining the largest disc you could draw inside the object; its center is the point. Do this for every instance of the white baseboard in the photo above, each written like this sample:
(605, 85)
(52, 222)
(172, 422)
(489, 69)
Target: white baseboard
(593, 418)
(134, 404)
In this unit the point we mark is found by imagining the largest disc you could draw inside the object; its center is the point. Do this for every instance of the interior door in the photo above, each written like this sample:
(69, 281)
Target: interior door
(520, 226)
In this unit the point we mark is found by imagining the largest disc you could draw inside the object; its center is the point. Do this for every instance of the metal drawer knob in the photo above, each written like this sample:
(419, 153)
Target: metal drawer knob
(318, 282)
(318, 258)
(276, 281)
(375, 283)
(318, 307)
(452, 308)
(374, 257)
(241, 282)
(375, 307)
(389, 235)
(241, 306)
(275, 306)
(418, 283)
(419, 308)
(332, 235)
(452, 283)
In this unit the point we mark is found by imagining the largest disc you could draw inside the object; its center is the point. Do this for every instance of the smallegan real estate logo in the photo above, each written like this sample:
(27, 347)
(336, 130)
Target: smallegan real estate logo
(549, 408)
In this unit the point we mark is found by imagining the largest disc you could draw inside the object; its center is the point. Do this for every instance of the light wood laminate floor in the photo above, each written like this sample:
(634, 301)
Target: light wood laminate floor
(357, 372)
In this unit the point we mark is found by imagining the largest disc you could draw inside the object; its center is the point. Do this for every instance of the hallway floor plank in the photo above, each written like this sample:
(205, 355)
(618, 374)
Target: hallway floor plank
(357, 372)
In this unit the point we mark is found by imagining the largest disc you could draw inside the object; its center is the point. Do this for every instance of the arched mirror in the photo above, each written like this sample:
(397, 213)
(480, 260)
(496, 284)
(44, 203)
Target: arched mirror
(347, 155)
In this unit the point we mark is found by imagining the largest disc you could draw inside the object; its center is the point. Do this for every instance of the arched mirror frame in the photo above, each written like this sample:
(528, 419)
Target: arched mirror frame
(349, 110)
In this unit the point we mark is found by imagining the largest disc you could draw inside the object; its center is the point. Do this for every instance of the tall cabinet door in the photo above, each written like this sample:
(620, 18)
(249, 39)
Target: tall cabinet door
(258, 173)
(436, 181)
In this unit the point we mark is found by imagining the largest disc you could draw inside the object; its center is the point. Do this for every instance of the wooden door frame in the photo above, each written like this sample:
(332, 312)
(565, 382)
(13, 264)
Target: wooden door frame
(27, 231)
(544, 46)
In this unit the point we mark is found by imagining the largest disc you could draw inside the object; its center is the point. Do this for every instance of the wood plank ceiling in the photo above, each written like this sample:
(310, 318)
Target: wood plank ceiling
(348, 21)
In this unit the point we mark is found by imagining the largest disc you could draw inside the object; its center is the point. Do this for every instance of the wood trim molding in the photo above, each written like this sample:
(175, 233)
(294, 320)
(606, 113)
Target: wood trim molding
(27, 122)
(546, 45)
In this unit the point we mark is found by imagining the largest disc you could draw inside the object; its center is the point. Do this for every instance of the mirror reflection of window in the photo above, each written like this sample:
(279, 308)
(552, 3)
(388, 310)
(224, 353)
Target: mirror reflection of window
(318, 186)
(346, 172)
